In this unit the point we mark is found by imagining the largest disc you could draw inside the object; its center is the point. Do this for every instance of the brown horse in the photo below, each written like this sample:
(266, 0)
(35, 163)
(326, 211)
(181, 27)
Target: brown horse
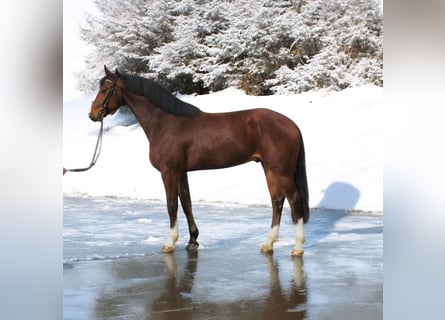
(183, 138)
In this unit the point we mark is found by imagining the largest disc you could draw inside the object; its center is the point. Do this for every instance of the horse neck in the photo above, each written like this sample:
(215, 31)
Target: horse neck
(148, 115)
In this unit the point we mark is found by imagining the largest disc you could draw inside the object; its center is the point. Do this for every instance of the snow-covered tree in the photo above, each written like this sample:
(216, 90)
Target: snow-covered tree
(124, 35)
(262, 46)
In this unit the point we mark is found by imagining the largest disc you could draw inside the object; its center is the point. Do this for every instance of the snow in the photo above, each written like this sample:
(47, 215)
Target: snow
(342, 131)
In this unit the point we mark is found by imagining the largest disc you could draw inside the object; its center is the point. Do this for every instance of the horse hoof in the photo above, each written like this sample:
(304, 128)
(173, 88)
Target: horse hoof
(265, 248)
(192, 246)
(168, 249)
(297, 252)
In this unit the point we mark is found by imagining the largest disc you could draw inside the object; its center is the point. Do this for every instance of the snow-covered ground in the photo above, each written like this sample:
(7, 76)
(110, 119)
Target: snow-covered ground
(342, 131)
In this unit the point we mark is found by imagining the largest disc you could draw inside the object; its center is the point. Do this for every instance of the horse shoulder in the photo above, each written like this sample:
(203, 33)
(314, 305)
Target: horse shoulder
(167, 147)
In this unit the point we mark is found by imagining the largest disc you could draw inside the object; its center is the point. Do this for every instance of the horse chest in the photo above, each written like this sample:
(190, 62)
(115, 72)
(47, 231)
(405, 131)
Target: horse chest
(166, 155)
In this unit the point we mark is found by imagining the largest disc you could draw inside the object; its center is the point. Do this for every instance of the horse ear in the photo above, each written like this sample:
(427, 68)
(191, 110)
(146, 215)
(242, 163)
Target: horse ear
(117, 73)
(109, 74)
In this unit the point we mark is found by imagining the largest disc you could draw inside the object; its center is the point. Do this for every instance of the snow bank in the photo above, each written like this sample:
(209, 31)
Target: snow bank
(342, 131)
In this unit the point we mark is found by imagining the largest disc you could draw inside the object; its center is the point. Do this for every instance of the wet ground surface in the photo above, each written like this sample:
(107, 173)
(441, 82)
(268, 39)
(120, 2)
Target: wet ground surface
(113, 268)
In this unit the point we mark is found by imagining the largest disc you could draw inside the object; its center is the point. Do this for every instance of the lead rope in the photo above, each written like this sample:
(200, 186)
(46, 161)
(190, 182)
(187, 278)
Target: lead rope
(96, 152)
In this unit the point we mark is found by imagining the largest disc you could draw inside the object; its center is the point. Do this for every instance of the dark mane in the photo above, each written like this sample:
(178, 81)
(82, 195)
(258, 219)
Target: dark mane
(158, 95)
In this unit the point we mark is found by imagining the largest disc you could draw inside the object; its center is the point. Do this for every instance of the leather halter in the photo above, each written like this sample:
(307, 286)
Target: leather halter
(104, 108)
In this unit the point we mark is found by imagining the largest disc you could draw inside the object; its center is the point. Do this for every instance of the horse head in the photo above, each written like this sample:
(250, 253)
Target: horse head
(109, 98)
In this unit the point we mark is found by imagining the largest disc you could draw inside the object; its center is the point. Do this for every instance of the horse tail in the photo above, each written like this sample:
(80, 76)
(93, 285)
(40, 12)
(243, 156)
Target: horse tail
(301, 182)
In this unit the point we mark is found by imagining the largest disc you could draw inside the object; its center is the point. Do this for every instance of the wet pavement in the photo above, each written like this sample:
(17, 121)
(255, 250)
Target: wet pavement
(113, 268)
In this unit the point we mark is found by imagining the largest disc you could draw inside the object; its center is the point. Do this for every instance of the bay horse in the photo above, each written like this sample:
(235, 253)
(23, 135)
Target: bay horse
(183, 138)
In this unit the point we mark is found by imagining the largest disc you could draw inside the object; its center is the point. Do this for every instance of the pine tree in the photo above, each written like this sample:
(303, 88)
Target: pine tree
(263, 46)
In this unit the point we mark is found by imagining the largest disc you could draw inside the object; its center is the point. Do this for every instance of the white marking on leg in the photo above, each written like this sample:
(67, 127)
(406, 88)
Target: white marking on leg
(172, 236)
(273, 236)
(299, 238)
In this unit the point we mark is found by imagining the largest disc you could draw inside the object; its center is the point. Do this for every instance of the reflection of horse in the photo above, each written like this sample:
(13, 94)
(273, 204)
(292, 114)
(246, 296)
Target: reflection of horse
(183, 138)
(158, 287)
(280, 305)
(176, 300)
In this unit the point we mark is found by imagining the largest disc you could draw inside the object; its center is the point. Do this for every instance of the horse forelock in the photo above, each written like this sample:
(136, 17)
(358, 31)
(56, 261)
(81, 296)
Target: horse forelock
(158, 95)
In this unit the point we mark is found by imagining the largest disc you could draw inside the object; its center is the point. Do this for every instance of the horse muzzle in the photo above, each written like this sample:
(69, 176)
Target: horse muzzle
(97, 117)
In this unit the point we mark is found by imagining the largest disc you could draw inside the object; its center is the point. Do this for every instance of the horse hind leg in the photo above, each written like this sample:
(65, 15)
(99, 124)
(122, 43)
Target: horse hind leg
(294, 198)
(277, 206)
(277, 198)
(297, 218)
(298, 250)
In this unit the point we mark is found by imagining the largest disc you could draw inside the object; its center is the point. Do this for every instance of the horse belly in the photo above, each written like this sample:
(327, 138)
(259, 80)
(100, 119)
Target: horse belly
(218, 152)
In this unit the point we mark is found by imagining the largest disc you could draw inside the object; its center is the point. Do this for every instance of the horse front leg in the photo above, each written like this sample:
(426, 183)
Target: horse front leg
(186, 202)
(170, 180)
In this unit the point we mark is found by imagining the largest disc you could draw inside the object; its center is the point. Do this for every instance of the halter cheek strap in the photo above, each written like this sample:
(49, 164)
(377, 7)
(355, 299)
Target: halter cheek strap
(104, 108)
